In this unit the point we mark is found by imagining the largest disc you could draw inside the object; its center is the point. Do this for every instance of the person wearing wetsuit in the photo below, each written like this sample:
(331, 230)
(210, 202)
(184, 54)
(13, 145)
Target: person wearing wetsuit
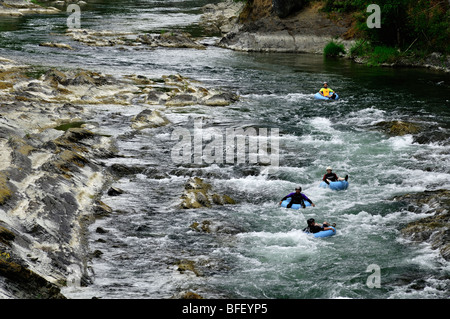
(332, 177)
(313, 227)
(297, 198)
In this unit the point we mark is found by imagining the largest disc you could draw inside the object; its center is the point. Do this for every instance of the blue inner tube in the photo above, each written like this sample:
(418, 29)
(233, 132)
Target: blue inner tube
(319, 96)
(337, 186)
(325, 233)
(294, 206)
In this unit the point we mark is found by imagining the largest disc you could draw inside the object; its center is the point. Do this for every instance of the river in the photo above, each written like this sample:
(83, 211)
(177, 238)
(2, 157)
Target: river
(258, 250)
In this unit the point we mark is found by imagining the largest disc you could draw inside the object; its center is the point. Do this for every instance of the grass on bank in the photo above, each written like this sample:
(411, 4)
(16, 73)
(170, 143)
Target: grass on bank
(411, 29)
(375, 55)
(333, 49)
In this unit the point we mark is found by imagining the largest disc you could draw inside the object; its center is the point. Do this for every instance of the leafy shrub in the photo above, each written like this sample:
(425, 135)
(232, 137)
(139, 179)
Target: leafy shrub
(334, 49)
(360, 48)
(424, 23)
(383, 54)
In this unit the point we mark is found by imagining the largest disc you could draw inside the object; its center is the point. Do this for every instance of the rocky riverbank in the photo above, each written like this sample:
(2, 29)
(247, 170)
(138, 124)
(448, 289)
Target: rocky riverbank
(51, 170)
(294, 27)
(259, 27)
(17, 8)
(49, 181)
(435, 229)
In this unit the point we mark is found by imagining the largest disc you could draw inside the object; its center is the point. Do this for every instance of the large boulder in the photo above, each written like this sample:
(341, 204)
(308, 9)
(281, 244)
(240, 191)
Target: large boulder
(398, 128)
(199, 194)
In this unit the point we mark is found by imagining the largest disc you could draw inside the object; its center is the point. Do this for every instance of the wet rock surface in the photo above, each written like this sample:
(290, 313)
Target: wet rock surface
(421, 133)
(170, 40)
(51, 173)
(149, 119)
(47, 190)
(82, 87)
(199, 194)
(107, 38)
(17, 8)
(398, 128)
(434, 229)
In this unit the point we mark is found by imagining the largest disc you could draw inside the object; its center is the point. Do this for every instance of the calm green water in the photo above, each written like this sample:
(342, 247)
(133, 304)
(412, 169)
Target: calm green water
(259, 250)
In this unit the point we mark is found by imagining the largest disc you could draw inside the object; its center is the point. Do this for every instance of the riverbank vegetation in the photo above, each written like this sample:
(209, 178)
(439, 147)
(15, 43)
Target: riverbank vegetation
(410, 29)
(334, 49)
(411, 32)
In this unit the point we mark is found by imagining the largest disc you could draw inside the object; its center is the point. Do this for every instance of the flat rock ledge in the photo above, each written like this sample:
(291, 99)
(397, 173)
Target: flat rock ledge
(18, 8)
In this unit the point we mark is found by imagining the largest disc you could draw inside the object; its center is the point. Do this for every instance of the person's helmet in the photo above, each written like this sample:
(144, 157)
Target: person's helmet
(310, 221)
(299, 188)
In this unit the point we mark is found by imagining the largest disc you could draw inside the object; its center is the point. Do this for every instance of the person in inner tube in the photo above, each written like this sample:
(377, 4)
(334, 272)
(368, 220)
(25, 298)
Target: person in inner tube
(313, 227)
(297, 198)
(327, 92)
(332, 177)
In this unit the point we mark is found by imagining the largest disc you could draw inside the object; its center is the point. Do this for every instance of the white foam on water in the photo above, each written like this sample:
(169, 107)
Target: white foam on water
(270, 251)
(364, 117)
(401, 142)
(294, 97)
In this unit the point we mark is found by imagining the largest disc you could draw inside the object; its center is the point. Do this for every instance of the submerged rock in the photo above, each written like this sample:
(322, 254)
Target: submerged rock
(434, 229)
(221, 99)
(216, 227)
(148, 119)
(103, 38)
(204, 227)
(170, 40)
(121, 170)
(199, 194)
(114, 191)
(77, 78)
(432, 134)
(398, 128)
(421, 133)
(182, 100)
(101, 209)
(188, 265)
(56, 45)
